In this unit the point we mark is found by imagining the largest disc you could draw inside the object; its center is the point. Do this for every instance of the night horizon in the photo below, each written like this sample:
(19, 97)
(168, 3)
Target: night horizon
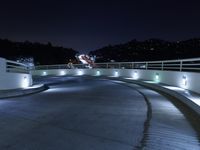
(101, 47)
(87, 26)
(100, 75)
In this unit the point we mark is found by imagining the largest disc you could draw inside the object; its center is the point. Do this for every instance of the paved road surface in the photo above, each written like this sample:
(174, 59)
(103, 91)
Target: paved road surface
(94, 114)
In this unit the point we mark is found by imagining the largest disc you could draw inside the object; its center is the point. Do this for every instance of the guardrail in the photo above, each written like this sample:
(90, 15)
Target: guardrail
(15, 67)
(190, 65)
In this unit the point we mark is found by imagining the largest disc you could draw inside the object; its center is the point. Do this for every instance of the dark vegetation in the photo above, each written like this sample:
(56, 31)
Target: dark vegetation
(153, 49)
(43, 54)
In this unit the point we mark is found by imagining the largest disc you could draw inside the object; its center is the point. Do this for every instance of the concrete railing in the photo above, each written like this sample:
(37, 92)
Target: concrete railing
(15, 67)
(191, 65)
(14, 75)
(181, 73)
(186, 80)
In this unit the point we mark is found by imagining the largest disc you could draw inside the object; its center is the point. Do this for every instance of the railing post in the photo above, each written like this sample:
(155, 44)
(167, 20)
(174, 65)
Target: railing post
(162, 65)
(181, 65)
(146, 65)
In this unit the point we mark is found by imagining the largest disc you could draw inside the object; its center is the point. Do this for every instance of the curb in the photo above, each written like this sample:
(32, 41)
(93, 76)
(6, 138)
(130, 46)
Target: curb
(194, 107)
(22, 92)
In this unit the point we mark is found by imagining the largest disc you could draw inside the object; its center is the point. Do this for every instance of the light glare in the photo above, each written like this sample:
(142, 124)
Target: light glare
(25, 82)
(62, 73)
(135, 75)
(80, 72)
(44, 73)
(116, 73)
(157, 77)
(98, 73)
(184, 80)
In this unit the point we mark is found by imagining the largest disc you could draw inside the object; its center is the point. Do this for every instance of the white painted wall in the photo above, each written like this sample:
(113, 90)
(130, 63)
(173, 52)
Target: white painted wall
(10, 80)
(187, 80)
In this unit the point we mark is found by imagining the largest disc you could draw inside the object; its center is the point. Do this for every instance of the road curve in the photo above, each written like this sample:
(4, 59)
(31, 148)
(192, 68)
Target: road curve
(84, 113)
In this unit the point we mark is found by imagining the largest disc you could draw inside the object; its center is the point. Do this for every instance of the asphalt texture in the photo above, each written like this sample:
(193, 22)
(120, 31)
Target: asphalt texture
(85, 113)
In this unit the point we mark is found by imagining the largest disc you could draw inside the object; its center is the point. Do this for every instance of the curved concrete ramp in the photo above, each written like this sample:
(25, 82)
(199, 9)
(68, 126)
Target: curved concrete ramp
(84, 113)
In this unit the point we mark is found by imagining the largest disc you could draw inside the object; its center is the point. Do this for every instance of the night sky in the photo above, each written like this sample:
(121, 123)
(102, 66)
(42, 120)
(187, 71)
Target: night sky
(87, 25)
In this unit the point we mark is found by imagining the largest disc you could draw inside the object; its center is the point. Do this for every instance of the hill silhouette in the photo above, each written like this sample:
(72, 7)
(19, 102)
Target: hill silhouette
(149, 50)
(43, 54)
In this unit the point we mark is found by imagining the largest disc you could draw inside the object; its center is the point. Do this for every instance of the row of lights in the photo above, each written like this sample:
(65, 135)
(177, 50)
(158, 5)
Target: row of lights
(79, 73)
(135, 75)
(183, 84)
(62, 73)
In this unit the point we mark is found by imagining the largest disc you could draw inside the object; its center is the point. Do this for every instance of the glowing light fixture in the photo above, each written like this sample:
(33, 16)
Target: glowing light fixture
(25, 82)
(116, 73)
(62, 73)
(157, 76)
(44, 73)
(135, 75)
(80, 72)
(184, 80)
(98, 73)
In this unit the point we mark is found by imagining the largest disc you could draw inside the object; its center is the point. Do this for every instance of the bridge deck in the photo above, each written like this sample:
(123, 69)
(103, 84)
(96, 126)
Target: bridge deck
(83, 113)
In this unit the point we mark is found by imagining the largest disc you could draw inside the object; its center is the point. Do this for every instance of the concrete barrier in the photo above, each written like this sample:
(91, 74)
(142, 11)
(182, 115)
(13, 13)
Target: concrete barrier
(21, 92)
(14, 75)
(186, 80)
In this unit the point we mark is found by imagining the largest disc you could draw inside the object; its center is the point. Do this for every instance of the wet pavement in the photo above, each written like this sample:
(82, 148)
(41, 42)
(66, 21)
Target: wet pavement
(84, 113)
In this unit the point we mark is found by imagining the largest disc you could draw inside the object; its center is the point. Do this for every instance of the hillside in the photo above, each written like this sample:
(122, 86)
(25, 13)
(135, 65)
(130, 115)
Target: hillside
(153, 49)
(43, 54)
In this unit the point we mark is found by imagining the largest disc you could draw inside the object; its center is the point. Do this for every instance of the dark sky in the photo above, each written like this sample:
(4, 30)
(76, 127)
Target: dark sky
(87, 25)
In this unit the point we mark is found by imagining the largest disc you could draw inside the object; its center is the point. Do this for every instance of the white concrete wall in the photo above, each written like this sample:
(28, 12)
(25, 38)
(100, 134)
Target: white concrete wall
(10, 80)
(187, 80)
